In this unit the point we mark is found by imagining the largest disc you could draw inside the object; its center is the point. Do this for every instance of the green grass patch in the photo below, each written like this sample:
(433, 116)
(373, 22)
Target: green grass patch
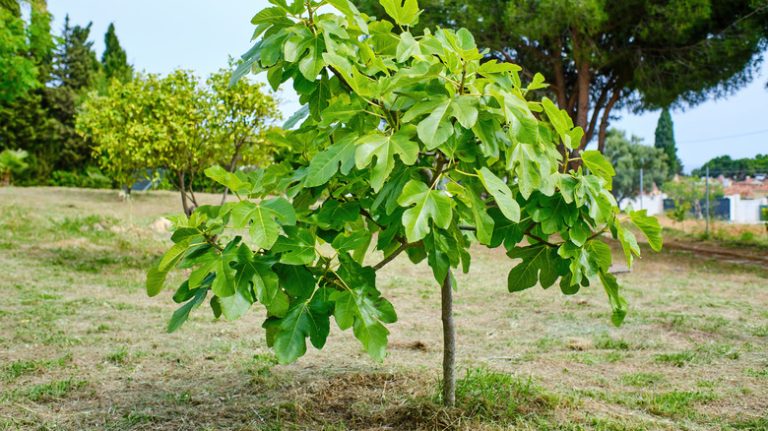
(754, 424)
(606, 342)
(760, 374)
(16, 369)
(642, 379)
(500, 396)
(760, 331)
(51, 391)
(678, 359)
(675, 403)
(118, 357)
(91, 226)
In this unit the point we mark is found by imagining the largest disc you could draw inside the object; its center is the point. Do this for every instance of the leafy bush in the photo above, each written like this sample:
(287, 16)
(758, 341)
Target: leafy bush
(92, 178)
(12, 163)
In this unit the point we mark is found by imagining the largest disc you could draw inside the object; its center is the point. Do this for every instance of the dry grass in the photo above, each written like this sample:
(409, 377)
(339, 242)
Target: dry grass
(721, 233)
(82, 347)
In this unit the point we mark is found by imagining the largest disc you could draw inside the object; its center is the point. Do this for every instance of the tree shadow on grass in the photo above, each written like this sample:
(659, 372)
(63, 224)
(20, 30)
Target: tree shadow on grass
(96, 260)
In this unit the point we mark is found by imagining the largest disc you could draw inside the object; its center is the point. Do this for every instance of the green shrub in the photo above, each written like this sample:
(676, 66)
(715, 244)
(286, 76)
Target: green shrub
(92, 178)
(12, 163)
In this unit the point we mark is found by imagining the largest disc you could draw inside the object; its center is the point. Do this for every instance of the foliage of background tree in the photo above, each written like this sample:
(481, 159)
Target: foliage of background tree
(738, 169)
(600, 55)
(114, 59)
(176, 124)
(18, 73)
(413, 145)
(691, 191)
(628, 156)
(42, 121)
(75, 71)
(12, 162)
(25, 122)
(665, 141)
(243, 116)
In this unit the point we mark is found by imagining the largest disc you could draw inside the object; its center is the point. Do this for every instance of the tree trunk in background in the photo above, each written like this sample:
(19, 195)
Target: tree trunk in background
(449, 343)
(183, 191)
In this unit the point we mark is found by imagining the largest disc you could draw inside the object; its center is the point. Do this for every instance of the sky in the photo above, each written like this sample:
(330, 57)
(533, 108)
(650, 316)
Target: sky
(162, 35)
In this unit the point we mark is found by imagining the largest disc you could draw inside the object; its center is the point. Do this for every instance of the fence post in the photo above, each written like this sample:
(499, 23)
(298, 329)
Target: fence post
(641, 187)
(706, 182)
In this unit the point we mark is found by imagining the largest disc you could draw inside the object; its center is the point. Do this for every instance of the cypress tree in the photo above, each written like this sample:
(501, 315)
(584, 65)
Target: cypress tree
(114, 59)
(75, 71)
(665, 140)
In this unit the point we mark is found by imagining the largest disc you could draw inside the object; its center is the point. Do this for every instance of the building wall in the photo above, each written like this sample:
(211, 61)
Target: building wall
(746, 211)
(742, 211)
(653, 204)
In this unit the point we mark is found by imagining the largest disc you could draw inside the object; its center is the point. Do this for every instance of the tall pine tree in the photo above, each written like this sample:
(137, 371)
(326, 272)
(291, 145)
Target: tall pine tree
(114, 60)
(75, 72)
(665, 140)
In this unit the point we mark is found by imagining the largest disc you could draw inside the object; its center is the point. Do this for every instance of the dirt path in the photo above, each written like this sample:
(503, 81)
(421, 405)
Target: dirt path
(739, 256)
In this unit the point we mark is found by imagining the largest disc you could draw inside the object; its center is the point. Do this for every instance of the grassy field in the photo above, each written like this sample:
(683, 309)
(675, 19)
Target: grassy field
(82, 347)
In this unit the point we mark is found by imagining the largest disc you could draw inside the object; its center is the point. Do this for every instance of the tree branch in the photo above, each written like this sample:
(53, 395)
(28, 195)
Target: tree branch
(606, 118)
(596, 112)
(559, 74)
(391, 257)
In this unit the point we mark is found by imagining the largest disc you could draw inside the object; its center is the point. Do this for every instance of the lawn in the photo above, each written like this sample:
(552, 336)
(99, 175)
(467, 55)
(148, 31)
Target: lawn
(83, 347)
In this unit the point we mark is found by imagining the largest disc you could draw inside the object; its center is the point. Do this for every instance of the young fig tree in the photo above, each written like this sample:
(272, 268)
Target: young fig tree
(409, 144)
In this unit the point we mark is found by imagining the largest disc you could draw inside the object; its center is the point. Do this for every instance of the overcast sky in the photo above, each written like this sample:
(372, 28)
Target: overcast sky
(161, 35)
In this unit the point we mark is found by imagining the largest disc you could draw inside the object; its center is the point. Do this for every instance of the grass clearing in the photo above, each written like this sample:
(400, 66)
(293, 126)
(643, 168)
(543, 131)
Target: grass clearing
(82, 347)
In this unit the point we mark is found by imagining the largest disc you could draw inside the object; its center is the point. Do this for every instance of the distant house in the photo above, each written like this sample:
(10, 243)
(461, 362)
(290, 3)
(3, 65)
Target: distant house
(750, 188)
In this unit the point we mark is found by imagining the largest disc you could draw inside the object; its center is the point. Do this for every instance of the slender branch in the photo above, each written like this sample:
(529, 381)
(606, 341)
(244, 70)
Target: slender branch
(391, 257)
(543, 241)
(538, 238)
(368, 215)
(597, 234)
(212, 241)
(441, 161)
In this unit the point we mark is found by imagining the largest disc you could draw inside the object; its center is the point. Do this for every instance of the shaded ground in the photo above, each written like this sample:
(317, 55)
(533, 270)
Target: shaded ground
(82, 347)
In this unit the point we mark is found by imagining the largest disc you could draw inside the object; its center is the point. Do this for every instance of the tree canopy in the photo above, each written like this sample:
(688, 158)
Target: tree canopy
(41, 120)
(412, 144)
(602, 55)
(177, 124)
(18, 72)
(738, 168)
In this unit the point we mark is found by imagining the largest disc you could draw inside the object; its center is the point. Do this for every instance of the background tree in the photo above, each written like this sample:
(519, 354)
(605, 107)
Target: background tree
(75, 70)
(738, 169)
(407, 139)
(599, 56)
(243, 115)
(691, 191)
(176, 124)
(665, 141)
(119, 123)
(18, 72)
(114, 59)
(25, 122)
(11, 163)
(628, 156)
